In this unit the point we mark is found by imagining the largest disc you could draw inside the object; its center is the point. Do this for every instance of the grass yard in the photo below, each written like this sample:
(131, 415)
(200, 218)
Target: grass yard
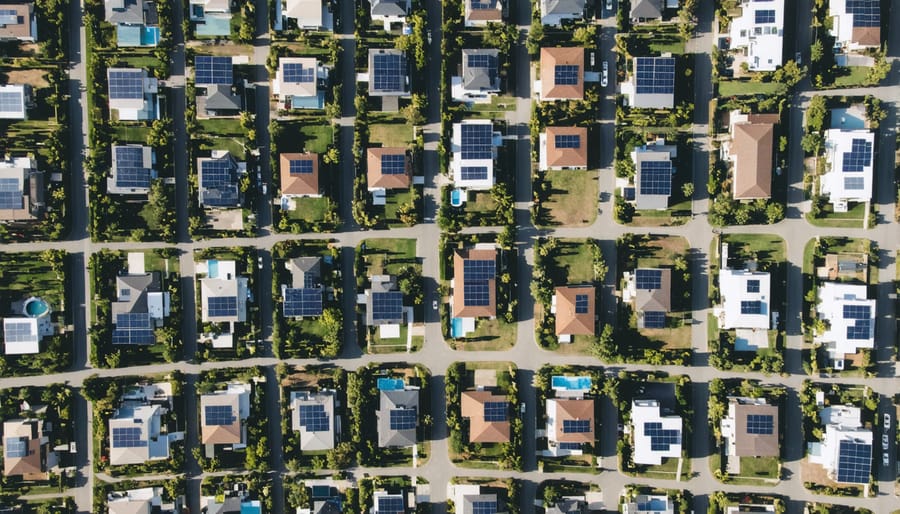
(388, 256)
(661, 251)
(673, 338)
(573, 263)
(222, 127)
(391, 134)
(145, 61)
(310, 209)
(490, 335)
(763, 247)
(573, 197)
(480, 201)
(395, 199)
(303, 135)
(851, 76)
(497, 106)
(129, 133)
(853, 218)
(746, 88)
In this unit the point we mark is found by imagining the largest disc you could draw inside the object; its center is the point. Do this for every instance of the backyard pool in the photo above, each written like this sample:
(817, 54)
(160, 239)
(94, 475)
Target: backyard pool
(390, 384)
(570, 383)
(457, 197)
(456, 328)
(35, 307)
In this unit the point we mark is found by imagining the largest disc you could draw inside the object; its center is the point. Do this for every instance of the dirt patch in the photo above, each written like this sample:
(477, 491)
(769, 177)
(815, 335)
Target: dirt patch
(301, 379)
(36, 78)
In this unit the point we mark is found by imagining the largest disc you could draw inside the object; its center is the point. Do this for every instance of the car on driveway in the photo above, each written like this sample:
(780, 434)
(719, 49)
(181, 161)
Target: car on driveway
(604, 76)
(887, 421)
(885, 442)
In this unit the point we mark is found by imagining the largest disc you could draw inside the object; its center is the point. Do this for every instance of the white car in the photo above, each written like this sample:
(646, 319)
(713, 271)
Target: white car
(886, 459)
(609, 5)
(259, 262)
(885, 442)
(887, 421)
(604, 76)
(434, 304)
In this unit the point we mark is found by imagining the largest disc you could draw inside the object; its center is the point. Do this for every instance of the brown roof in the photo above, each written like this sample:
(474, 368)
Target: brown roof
(550, 59)
(867, 36)
(22, 29)
(754, 445)
(483, 14)
(460, 309)
(751, 148)
(655, 300)
(580, 409)
(30, 464)
(567, 320)
(376, 178)
(299, 183)
(481, 431)
(220, 434)
(566, 157)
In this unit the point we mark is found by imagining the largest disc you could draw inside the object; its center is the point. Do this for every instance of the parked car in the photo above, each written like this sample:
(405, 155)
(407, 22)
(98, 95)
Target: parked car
(604, 76)
(259, 262)
(434, 304)
(885, 442)
(609, 5)
(887, 421)
(886, 459)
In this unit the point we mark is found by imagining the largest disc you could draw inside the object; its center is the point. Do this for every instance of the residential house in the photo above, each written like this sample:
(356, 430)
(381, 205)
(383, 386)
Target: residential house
(26, 446)
(856, 24)
(480, 79)
(555, 12)
(651, 84)
(568, 505)
(223, 296)
(18, 21)
(232, 502)
(136, 431)
(474, 499)
(389, 11)
(299, 177)
(649, 504)
(570, 425)
(472, 154)
(223, 415)
(132, 170)
(387, 169)
(140, 306)
(132, 94)
(219, 176)
(749, 430)
(22, 192)
(656, 436)
(136, 22)
(562, 74)
(398, 417)
(146, 500)
(751, 153)
(303, 298)
(215, 85)
(384, 306)
(646, 10)
(312, 414)
(653, 174)
(849, 175)
(15, 99)
(474, 288)
(308, 14)
(746, 297)
(21, 336)
(478, 13)
(299, 83)
(388, 73)
(563, 148)
(211, 17)
(849, 317)
(574, 307)
(759, 32)
(488, 415)
(651, 291)
(845, 451)
(388, 503)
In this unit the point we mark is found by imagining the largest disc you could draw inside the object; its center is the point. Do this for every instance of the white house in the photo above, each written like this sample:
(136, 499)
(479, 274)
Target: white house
(134, 501)
(389, 11)
(759, 31)
(135, 428)
(856, 24)
(308, 14)
(473, 153)
(850, 158)
(746, 298)
(846, 449)
(849, 317)
(312, 414)
(554, 12)
(656, 437)
(649, 504)
(652, 84)
(132, 94)
(14, 99)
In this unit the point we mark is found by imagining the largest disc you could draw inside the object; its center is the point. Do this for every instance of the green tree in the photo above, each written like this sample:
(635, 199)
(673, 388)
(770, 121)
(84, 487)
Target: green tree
(816, 51)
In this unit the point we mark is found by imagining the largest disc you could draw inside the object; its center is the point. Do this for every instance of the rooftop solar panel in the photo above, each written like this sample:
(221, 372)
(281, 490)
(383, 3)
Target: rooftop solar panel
(476, 141)
(764, 16)
(133, 328)
(654, 319)
(567, 141)
(576, 426)
(854, 462)
(10, 101)
(479, 269)
(314, 418)
(17, 332)
(389, 73)
(660, 439)
(581, 304)
(481, 61)
(221, 306)
(11, 194)
(219, 415)
(656, 178)
(655, 75)
(648, 279)
(495, 411)
(476, 293)
(300, 167)
(219, 183)
(484, 507)
(753, 286)
(566, 74)
(473, 172)
(857, 312)
(859, 156)
(751, 307)
(387, 306)
(393, 164)
(390, 505)
(126, 84)
(213, 69)
(402, 419)
(127, 437)
(760, 424)
(860, 330)
(15, 447)
(854, 183)
(568, 446)
(302, 302)
(297, 73)
(483, 4)
(866, 13)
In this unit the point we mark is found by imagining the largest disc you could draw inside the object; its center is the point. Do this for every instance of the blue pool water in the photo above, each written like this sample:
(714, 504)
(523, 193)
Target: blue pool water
(652, 505)
(36, 307)
(456, 328)
(571, 383)
(390, 384)
(456, 197)
(212, 268)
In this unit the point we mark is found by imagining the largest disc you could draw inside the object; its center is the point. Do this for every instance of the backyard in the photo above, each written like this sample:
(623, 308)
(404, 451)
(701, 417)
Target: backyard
(573, 197)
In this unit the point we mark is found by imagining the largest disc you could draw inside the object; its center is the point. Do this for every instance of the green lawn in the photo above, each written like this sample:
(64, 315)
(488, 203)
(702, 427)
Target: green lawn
(480, 201)
(761, 467)
(395, 199)
(310, 209)
(853, 218)
(490, 335)
(764, 247)
(746, 87)
(573, 263)
(309, 134)
(391, 134)
(855, 76)
(661, 251)
(573, 197)
(129, 133)
(388, 255)
(222, 127)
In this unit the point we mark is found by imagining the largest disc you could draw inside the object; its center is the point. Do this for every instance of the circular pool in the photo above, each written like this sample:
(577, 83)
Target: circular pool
(35, 307)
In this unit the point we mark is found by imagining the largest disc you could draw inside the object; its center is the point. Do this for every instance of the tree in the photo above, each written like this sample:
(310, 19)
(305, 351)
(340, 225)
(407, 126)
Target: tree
(687, 189)
(774, 212)
(815, 114)
(811, 143)
(816, 51)
(789, 74)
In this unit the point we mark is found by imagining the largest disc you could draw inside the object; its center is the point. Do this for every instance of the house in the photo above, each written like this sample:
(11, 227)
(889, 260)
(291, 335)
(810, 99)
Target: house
(563, 148)
(750, 508)
(388, 72)
(653, 174)
(478, 13)
(562, 74)
(22, 193)
(474, 289)
(646, 10)
(845, 266)
(304, 296)
(14, 99)
(759, 32)
(132, 94)
(397, 416)
(575, 311)
(746, 299)
(845, 451)
(214, 82)
(223, 293)
(472, 154)
(211, 17)
(312, 414)
(132, 170)
(480, 79)
(233, 502)
(474, 499)
(856, 24)
(299, 177)
(570, 425)
(140, 306)
(749, 430)
(384, 304)
(325, 500)
(555, 12)
(219, 175)
(649, 504)
(386, 169)
(656, 436)
(651, 291)
(21, 336)
(568, 505)
(136, 22)
(488, 416)
(298, 83)
(652, 84)
(223, 415)
(18, 21)
(26, 446)
(849, 317)
(135, 501)
(849, 175)
(389, 11)
(751, 153)
(388, 503)
(135, 429)
(308, 14)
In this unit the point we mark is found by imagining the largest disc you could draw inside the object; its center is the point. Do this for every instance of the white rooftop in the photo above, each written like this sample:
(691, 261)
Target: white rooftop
(850, 318)
(850, 154)
(760, 31)
(650, 425)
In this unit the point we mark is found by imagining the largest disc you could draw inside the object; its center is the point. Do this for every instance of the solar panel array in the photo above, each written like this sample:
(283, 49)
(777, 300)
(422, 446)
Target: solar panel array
(866, 13)
(477, 275)
(854, 462)
(569, 446)
(219, 415)
(126, 84)
(314, 418)
(11, 195)
(212, 69)
(565, 74)
(130, 170)
(17, 332)
(483, 4)
(660, 439)
(495, 411)
(860, 330)
(10, 101)
(760, 424)
(576, 426)
(751, 307)
(302, 302)
(581, 304)
(393, 164)
(648, 278)
(857, 312)
(127, 437)
(859, 156)
(567, 141)
(300, 167)
(217, 177)
(133, 328)
(390, 505)
(854, 183)
(296, 72)
(15, 447)
(753, 286)
(765, 16)
(656, 178)
(476, 141)
(484, 507)
(389, 72)
(655, 75)
(473, 172)
(387, 306)
(481, 61)
(403, 419)
(654, 319)
(9, 17)
(221, 306)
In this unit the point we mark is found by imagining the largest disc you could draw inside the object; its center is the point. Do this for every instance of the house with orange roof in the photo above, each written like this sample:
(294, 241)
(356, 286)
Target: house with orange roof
(750, 152)
(223, 415)
(386, 169)
(575, 310)
(299, 177)
(570, 425)
(563, 148)
(26, 448)
(474, 285)
(488, 416)
(562, 74)
(478, 13)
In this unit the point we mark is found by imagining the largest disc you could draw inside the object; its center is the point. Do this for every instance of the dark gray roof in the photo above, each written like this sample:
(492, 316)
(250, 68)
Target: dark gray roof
(137, 287)
(646, 9)
(388, 8)
(220, 98)
(329, 506)
(567, 506)
(391, 400)
(481, 79)
(564, 6)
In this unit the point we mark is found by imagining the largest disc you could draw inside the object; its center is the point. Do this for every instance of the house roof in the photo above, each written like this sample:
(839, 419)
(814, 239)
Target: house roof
(13, 100)
(305, 178)
(297, 76)
(26, 434)
(320, 436)
(21, 336)
(652, 178)
(212, 429)
(549, 7)
(132, 292)
(652, 83)
(867, 36)
(308, 13)
(305, 271)
(746, 298)
(569, 301)
(472, 406)
(567, 147)
(140, 445)
(480, 69)
(388, 72)
(131, 171)
(654, 299)
(751, 149)
(571, 410)
(562, 73)
(22, 181)
(388, 7)
(218, 177)
(129, 12)
(397, 400)
(219, 97)
(646, 9)
(381, 161)
(749, 442)
(24, 25)
(492, 12)
(482, 292)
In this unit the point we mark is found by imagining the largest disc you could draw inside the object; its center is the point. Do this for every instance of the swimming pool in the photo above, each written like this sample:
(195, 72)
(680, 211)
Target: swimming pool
(35, 307)
(456, 328)
(570, 383)
(457, 197)
(212, 268)
(390, 384)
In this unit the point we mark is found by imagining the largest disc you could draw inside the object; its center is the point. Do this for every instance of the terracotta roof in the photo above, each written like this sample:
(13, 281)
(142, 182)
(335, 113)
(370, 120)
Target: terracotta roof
(299, 183)
(460, 309)
(483, 14)
(755, 445)
(481, 431)
(580, 409)
(867, 36)
(550, 59)
(566, 157)
(376, 178)
(751, 148)
(21, 29)
(220, 434)
(567, 320)
(27, 429)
